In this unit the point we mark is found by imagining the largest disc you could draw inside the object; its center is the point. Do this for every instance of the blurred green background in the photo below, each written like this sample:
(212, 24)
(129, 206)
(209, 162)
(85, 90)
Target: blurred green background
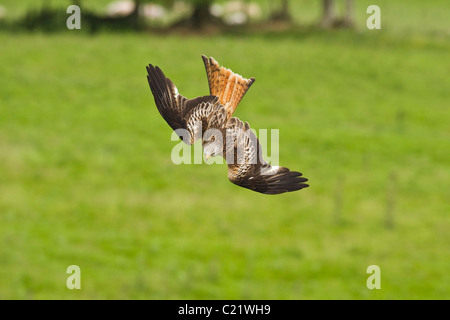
(86, 176)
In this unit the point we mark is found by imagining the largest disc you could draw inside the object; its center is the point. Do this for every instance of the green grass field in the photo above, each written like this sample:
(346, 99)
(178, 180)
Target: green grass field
(86, 176)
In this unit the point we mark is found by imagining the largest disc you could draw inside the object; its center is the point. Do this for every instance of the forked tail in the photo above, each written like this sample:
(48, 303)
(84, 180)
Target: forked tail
(225, 84)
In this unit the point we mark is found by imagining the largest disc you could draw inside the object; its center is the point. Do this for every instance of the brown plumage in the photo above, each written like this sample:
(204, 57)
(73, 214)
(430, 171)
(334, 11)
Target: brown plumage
(229, 87)
(232, 138)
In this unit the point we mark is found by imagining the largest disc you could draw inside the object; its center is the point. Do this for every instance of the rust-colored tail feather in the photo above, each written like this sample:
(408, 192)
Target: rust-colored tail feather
(225, 84)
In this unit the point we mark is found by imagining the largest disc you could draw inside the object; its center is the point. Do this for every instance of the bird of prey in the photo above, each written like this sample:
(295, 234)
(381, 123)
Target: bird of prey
(210, 119)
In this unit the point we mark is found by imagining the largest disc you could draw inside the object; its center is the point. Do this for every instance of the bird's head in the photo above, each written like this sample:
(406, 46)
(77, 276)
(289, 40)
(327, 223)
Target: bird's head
(212, 143)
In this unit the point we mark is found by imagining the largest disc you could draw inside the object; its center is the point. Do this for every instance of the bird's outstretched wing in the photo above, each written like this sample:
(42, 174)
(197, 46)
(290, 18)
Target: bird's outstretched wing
(194, 115)
(248, 168)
